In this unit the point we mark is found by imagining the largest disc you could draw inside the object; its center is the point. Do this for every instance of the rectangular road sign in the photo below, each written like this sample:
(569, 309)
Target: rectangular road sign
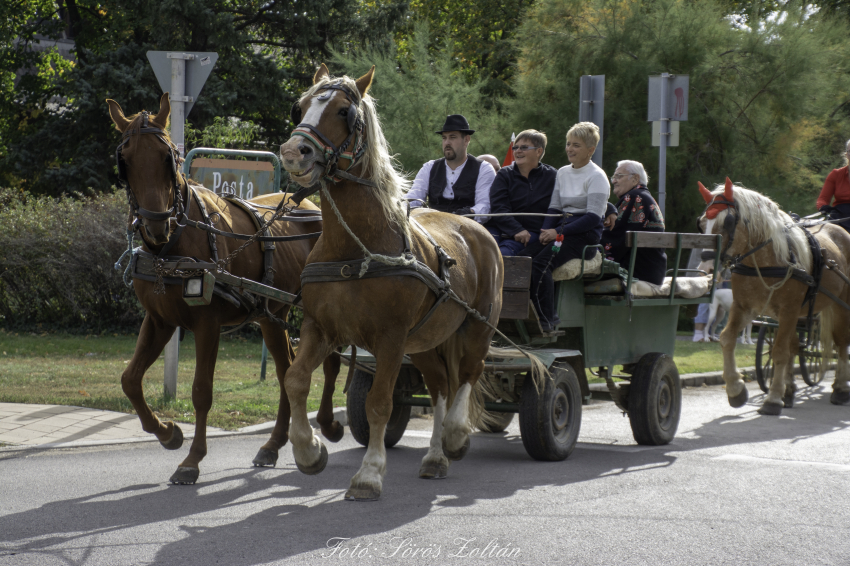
(245, 179)
(676, 108)
(672, 137)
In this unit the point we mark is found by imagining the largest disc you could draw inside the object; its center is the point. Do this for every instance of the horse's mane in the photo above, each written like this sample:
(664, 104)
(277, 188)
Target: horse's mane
(379, 164)
(766, 221)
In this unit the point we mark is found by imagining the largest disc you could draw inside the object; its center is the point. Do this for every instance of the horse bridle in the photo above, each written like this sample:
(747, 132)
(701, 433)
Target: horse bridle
(138, 211)
(333, 153)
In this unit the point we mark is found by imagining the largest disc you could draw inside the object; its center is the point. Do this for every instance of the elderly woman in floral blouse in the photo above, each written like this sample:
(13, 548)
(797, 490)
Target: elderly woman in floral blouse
(635, 211)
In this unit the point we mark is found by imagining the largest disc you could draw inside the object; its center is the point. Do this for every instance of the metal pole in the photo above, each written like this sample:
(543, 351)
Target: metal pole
(264, 362)
(178, 105)
(665, 135)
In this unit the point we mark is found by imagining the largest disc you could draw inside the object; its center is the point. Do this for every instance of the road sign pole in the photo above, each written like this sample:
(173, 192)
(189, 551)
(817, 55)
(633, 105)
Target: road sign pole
(662, 155)
(592, 107)
(178, 100)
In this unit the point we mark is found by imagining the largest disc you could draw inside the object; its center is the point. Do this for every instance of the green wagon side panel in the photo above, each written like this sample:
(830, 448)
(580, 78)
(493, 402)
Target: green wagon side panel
(611, 338)
(570, 304)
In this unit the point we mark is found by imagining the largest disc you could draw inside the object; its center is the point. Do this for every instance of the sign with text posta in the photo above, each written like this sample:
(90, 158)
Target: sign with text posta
(245, 179)
(676, 106)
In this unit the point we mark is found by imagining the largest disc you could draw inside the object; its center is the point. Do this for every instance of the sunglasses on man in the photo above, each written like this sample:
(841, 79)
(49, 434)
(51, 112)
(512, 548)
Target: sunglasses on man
(524, 147)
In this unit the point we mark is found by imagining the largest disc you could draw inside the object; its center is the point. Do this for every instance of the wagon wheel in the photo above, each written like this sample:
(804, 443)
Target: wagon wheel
(355, 406)
(655, 400)
(550, 419)
(764, 356)
(810, 358)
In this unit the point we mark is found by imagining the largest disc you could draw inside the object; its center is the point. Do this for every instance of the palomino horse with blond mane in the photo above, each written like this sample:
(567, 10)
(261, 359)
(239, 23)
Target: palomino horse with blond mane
(780, 270)
(428, 286)
(163, 203)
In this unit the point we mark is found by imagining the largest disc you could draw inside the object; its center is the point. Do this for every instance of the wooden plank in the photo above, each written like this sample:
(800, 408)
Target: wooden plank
(514, 304)
(668, 240)
(517, 272)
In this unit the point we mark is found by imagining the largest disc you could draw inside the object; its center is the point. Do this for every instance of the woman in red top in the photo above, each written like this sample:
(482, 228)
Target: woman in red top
(837, 185)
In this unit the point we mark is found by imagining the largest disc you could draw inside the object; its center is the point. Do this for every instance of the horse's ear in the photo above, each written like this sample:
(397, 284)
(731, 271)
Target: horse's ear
(364, 82)
(161, 117)
(117, 115)
(727, 190)
(321, 73)
(706, 194)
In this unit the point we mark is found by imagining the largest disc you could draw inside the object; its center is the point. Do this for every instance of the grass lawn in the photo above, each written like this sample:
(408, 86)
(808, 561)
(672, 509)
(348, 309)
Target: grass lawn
(85, 371)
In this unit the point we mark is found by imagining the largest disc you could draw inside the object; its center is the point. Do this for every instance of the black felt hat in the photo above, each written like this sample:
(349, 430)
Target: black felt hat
(456, 123)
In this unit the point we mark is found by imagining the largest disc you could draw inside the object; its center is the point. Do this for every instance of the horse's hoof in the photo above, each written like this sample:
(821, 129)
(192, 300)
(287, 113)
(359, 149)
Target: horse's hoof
(334, 432)
(176, 440)
(740, 399)
(265, 457)
(788, 400)
(318, 466)
(458, 454)
(185, 476)
(839, 397)
(364, 493)
(434, 471)
(771, 409)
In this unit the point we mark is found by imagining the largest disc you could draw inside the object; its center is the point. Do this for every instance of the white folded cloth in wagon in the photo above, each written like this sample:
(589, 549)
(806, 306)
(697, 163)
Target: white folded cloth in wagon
(686, 287)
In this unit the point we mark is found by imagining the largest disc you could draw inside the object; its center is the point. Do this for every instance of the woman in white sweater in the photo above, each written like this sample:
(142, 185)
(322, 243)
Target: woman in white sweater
(580, 196)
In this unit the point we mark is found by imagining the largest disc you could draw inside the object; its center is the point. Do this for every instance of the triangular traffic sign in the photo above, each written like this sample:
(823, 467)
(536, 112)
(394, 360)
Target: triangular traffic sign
(198, 69)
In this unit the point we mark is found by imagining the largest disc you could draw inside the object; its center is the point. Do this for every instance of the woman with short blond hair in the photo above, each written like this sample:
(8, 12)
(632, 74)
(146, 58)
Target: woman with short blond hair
(580, 198)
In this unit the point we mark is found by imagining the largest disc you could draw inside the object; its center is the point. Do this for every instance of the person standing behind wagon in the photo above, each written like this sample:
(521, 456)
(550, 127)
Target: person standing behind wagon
(524, 186)
(837, 185)
(581, 194)
(458, 183)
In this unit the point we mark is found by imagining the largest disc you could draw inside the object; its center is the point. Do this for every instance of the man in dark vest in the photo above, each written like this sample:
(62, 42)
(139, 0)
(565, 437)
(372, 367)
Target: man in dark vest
(458, 183)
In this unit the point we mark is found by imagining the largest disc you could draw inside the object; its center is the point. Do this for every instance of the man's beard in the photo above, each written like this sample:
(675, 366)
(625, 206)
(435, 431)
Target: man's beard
(450, 154)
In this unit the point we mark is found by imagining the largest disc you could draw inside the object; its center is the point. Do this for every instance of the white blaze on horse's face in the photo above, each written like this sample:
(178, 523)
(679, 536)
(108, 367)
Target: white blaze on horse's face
(317, 108)
(709, 224)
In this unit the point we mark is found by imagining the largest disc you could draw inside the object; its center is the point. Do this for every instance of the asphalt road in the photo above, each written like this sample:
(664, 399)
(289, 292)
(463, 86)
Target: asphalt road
(733, 488)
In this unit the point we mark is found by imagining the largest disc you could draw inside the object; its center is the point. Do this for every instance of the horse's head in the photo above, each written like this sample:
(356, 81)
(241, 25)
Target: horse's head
(327, 118)
(147, 164)
(720, 215)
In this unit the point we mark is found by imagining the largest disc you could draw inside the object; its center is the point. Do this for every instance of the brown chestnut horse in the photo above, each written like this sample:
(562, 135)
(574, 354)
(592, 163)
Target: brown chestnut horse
(766, 247)
(153, 180)
(363, 217)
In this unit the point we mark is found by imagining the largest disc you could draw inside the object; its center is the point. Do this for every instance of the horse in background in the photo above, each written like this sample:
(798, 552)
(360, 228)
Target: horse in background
(758, 237)
(148, 164)
(363, 217)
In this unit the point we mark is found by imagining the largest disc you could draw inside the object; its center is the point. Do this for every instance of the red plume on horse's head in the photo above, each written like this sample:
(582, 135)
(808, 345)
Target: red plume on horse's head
(706, 194)
(713, 209)
(727, 190)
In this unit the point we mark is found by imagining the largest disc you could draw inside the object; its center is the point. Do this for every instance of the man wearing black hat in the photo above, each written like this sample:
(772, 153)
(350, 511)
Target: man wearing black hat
(458, 183)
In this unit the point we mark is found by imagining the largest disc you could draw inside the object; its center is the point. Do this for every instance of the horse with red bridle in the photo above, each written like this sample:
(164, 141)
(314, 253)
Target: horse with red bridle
(168, 211)
(784, 270)
(423, 284)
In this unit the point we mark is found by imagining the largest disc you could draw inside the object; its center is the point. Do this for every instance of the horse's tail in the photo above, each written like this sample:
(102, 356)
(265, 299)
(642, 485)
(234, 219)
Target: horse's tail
(539, 370)
(827, 321)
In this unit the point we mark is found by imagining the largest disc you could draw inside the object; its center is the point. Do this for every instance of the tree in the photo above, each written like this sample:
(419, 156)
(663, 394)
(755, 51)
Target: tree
(416, 92)
(267, 54)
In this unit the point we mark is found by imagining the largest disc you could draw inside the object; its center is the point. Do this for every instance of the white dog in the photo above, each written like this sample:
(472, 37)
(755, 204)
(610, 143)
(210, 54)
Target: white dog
(721, 305)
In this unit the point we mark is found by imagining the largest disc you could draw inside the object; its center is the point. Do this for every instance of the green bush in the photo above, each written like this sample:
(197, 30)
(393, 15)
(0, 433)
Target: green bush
(56, 263)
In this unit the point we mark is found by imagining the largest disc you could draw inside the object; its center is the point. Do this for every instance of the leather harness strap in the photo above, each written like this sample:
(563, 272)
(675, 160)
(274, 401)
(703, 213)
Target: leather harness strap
(333, 271)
